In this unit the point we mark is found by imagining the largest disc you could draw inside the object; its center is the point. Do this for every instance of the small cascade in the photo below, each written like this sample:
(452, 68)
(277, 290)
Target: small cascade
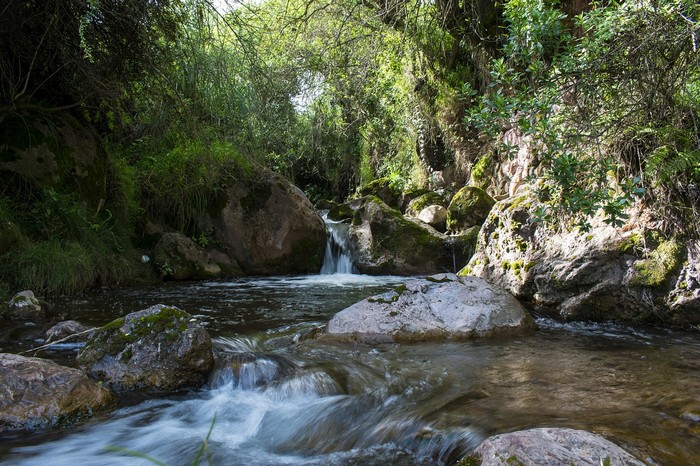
(337, 258)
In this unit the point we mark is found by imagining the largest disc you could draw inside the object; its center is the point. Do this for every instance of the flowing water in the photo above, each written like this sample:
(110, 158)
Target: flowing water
(337, 258)
(280, 397)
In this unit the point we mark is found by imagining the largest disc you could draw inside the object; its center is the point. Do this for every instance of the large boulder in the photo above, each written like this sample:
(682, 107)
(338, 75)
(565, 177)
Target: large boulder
(24, 305)
(382, 241)
(161, 348)
(268, 226)
(551, 447)
(438, 307)
(435, 216)
(36, 393)
(468, 208)
(384, 189)
(606, 273)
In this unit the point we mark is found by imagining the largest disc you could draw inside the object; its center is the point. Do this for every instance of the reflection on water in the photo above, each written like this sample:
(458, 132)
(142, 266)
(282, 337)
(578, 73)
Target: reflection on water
(280, 397)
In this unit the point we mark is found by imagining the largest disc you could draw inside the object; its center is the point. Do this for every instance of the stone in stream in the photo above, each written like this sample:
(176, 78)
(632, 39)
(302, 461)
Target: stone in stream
(440, 306)
(69, 331)
(36, 393)
(25, 305)
(550, 447)
(161, 348)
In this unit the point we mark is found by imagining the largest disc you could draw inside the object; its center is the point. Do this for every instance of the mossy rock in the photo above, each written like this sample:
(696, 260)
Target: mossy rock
(663, 261)
(383, 241)
(161, 349)
(383, 189)
(418, 204)
(340, 212)
(469, 207)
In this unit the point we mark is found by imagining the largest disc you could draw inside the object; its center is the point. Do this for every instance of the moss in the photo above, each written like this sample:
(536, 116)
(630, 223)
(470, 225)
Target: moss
(634, 242)
(528, 266)
(469, 207)
(481, 169)
(418, 204)
(340, 212)
(465, 271)
(662, 262)
(469, 460)
(438, 280)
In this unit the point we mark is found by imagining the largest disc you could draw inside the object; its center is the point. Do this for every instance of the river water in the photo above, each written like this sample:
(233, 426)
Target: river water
(280, 398)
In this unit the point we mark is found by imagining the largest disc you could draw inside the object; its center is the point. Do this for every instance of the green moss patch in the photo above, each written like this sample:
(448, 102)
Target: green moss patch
(658, 268)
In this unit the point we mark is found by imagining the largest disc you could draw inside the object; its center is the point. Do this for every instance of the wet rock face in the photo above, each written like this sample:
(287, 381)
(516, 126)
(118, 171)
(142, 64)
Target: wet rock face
(550, 446)
(269, 227)
(36, 393)
(178, 257)
(441, 306)
(606, 273)
(160, 349)
(382, 241)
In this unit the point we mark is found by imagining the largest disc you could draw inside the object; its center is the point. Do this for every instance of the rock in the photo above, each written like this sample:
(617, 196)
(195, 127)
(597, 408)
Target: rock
(468, 208)
(268, 226)
(684, 298)
(552, 446)
(438, 307)
(383, 189)
(36, 393)
(160, 349)
(416, 206)
(70, 331)
(382, 241)
(435, 216)
(178, 257)
(602, 274)
(24, 305)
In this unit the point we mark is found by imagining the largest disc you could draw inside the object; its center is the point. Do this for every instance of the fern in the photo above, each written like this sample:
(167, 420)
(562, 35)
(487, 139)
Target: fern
(666, 164)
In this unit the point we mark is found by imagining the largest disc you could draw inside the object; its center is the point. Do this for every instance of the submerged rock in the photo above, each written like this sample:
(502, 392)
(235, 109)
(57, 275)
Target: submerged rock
(551, 446)
(24, 305)
(382, 241)
(161, 348)
(36, 393)
(441, 306)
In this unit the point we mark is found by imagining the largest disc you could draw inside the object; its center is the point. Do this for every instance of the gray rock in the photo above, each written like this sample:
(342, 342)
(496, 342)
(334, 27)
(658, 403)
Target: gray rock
(438, 307)
(24, 305)
(69, 331)
(161, 349)
(435, 216)
(36, 393)
(469, 207)
(268, 226)
(552, 447)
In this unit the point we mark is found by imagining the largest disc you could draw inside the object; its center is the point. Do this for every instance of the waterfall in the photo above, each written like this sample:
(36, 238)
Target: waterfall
(337, 257)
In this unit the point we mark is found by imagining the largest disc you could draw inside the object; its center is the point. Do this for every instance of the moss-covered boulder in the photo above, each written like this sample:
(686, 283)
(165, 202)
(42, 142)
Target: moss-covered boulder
(268, 226)
(382, 241)
(160, 349)
(384, 189)
(468, 208)
(416, 206)
(36, 394)
(438, 307)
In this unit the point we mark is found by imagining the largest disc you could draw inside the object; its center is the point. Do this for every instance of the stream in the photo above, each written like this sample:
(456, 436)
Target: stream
(277, 398)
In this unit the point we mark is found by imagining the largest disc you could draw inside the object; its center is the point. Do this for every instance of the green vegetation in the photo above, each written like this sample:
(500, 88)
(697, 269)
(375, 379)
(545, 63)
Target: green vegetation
(118, 116)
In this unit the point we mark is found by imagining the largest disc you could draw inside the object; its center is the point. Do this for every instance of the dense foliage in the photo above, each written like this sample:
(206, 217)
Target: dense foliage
(187, 96)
